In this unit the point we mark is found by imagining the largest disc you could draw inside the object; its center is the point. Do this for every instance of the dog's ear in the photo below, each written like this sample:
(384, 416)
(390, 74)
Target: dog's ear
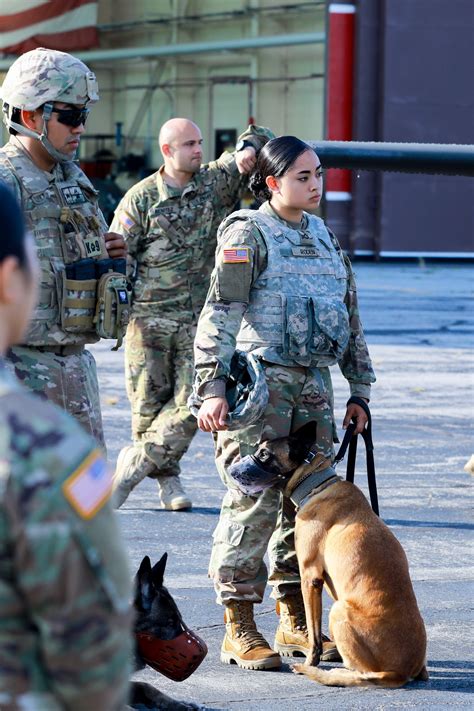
(301, 441)
(158, 571)
(143, 584)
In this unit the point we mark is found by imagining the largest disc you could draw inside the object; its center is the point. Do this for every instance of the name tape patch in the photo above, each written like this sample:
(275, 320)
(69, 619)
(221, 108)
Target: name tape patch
(89, 486)
(236, 255)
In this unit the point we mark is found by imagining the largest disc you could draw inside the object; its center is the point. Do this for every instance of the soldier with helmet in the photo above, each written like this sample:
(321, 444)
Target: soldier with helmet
(46, 97)
(65, 613)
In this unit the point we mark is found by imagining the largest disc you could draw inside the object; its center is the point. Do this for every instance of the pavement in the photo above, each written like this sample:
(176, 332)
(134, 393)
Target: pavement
(419, 324)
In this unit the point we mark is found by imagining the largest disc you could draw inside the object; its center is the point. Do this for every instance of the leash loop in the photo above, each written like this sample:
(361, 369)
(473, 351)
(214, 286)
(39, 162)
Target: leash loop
(350, 440)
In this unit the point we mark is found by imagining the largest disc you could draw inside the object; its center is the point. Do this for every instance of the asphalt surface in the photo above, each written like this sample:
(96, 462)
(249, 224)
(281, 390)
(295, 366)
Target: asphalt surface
(419, 323)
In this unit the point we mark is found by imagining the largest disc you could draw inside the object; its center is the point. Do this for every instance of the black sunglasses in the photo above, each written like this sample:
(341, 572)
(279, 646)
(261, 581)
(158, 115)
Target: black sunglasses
(72, 117)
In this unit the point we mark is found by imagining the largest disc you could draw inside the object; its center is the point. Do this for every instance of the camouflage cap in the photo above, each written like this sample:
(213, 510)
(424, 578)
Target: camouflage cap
(246, 392)
(45, 75)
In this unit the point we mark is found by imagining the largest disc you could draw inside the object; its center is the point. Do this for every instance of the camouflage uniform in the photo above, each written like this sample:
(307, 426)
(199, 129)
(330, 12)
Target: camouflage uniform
(171, 238)
(65, 616)
(61, 211)
(258, 299)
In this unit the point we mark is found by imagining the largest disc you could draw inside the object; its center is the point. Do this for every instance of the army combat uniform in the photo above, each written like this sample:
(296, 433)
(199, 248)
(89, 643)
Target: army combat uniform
(61, 211)
(171, 238)
(286, 293)
(65, 616)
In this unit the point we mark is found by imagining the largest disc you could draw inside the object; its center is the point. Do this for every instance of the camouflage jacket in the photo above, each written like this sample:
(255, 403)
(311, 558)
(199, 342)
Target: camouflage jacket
(241, 279)
(65, 637)
(62, 212)
(171, 234)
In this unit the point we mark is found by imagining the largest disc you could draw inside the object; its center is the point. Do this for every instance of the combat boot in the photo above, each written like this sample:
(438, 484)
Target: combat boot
(132, 467)
(243, 644)
(172, 495)
(291, 639)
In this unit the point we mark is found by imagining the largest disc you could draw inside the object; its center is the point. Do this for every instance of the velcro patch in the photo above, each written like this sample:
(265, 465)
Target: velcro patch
(125, 219)
(89, 486)
(236, 255)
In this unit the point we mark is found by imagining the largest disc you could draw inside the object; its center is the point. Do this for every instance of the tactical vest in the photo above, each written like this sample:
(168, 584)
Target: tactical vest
(296, 313)
(65, 219)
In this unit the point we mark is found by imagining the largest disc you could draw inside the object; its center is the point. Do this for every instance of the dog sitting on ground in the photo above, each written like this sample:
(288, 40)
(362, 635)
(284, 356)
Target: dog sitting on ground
(157, 618)
(340, 543)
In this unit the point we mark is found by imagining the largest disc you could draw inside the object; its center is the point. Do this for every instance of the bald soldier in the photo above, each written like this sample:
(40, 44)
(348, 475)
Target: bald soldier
(65, 616)
(169, 222)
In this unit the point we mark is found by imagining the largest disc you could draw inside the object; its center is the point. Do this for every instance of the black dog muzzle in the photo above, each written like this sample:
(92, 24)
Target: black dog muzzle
(251, 477)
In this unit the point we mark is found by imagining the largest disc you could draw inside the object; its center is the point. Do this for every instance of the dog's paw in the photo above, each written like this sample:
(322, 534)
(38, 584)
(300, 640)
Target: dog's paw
(298, 669)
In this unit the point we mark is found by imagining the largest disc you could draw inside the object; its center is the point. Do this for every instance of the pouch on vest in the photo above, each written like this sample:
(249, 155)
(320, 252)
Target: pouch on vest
(330, 328)
(298, 326)
(114, 298)
(78, 296)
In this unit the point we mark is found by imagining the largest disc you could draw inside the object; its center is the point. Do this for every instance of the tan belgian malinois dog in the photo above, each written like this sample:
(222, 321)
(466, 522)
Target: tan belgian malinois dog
(341, 544)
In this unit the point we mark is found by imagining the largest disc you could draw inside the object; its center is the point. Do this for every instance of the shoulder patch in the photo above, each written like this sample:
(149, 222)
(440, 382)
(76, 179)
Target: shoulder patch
(89, 486)
(126, 220)
(236, 255)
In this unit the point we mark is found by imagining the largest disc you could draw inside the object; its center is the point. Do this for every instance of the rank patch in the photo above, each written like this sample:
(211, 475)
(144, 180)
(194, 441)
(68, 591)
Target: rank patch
(236, 255)
(89, 487)
(126, 220)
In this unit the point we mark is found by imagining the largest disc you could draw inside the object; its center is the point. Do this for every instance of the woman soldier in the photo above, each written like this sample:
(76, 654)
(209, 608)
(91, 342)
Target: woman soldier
(283, 290)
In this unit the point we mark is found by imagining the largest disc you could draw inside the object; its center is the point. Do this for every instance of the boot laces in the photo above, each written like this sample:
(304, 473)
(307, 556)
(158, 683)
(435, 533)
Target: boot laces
(247, 632)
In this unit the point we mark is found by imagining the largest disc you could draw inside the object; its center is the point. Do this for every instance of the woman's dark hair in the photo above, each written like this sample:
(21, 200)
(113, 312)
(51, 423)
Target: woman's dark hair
(12, 230)
(275, 158)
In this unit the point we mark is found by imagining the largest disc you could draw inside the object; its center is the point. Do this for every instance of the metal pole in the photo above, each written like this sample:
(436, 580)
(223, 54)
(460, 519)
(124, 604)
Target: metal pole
(98, 55)
(432, 158)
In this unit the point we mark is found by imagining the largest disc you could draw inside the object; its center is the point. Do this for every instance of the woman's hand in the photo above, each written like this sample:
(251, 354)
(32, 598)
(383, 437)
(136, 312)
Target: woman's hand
(356, 412)
(212, 414)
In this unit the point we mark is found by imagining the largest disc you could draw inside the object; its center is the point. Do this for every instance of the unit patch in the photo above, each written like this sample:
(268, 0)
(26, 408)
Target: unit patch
(236, 255)
(89, 487)
(92, 245)
(73, 195)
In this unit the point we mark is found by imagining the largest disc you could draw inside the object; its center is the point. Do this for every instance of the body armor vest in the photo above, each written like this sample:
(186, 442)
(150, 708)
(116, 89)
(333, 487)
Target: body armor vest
(296, 313)
(62, 212)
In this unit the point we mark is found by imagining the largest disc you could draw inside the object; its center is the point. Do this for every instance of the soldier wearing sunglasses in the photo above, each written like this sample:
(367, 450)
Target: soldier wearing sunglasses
(46, 97)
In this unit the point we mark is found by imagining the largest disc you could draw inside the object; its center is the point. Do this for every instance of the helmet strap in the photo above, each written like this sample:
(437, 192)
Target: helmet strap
(43, 137)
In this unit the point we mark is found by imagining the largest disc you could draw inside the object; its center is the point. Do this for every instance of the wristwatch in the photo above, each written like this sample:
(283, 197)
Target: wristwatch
(243, 143)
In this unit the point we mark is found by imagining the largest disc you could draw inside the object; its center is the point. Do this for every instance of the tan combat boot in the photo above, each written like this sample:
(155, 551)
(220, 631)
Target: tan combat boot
(291, 639)
(243, 644)
(132, 467)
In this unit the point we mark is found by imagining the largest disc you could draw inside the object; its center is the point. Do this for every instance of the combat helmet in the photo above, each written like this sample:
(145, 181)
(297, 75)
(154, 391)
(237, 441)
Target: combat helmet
(246, 392)
(39, 78)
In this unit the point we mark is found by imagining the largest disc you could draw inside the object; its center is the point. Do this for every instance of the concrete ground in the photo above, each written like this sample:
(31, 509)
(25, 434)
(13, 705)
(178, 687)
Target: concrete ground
(419, 323)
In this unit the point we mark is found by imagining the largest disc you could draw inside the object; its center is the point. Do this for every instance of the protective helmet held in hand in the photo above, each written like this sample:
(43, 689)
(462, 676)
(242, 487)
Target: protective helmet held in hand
(246, 392)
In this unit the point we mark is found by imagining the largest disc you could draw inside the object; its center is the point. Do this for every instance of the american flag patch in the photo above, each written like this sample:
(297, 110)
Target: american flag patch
(237, 255)
(126, 220)
(89, 486)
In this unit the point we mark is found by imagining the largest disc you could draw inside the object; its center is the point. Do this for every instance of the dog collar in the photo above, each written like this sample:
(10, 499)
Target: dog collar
(176, 658)
(312, 481)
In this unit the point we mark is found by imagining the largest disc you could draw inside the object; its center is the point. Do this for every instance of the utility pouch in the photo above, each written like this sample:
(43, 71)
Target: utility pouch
(78, 304)
(114, 298)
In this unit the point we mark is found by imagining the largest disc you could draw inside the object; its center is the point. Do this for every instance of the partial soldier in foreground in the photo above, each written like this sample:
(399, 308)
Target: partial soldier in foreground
(282, 291)
(169, 221)
(46, 97)
(65, 619)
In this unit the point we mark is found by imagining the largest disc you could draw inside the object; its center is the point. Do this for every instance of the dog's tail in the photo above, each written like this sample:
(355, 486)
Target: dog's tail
(346, 677)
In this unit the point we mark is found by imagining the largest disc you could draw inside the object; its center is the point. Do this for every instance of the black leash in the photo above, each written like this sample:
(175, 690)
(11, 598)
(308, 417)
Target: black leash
(350, 440)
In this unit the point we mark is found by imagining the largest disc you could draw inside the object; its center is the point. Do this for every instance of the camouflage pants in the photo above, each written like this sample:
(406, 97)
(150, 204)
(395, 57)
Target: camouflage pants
(159, 372)
(249, 526)
(70, 381)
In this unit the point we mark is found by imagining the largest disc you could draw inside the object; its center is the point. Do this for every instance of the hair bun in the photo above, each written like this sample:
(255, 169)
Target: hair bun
(258, 186)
